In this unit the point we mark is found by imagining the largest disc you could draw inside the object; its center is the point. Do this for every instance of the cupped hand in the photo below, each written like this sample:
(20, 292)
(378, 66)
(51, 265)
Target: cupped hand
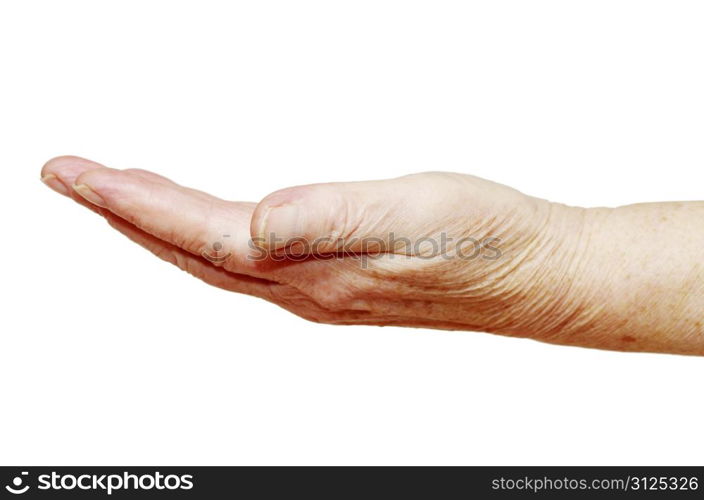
(436, 250)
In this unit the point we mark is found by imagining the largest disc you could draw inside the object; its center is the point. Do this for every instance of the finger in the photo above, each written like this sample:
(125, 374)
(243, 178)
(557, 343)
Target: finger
(61, 172)
(193, 221)
(192, 264)
(153, 176)
(361, 216)
(148, 175)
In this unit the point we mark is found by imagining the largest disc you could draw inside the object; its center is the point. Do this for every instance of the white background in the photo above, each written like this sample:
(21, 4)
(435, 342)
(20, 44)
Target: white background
(110, 356)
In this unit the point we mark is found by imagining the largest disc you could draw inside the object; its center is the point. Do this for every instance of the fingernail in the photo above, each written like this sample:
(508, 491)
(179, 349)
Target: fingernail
(54, 183)
(89, 195)
(260, 239)
(279, 225)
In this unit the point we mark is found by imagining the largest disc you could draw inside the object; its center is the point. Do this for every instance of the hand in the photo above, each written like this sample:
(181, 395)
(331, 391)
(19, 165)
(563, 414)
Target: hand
(435, 250)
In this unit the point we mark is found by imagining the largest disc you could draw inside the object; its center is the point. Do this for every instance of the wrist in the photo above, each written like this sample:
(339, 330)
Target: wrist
(555, 283)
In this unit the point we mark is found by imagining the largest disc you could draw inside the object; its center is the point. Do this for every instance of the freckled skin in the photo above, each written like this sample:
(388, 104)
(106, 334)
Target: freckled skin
(627, 278)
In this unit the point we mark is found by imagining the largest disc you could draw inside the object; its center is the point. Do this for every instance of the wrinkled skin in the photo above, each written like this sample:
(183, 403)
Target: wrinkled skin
(567, 275)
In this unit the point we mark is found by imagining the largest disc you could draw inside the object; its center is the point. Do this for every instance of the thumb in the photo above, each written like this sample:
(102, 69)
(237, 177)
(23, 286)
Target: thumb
(363, 216)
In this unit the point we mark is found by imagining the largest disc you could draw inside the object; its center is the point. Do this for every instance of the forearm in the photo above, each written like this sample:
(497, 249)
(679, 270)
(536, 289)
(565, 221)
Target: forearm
(633, 279)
